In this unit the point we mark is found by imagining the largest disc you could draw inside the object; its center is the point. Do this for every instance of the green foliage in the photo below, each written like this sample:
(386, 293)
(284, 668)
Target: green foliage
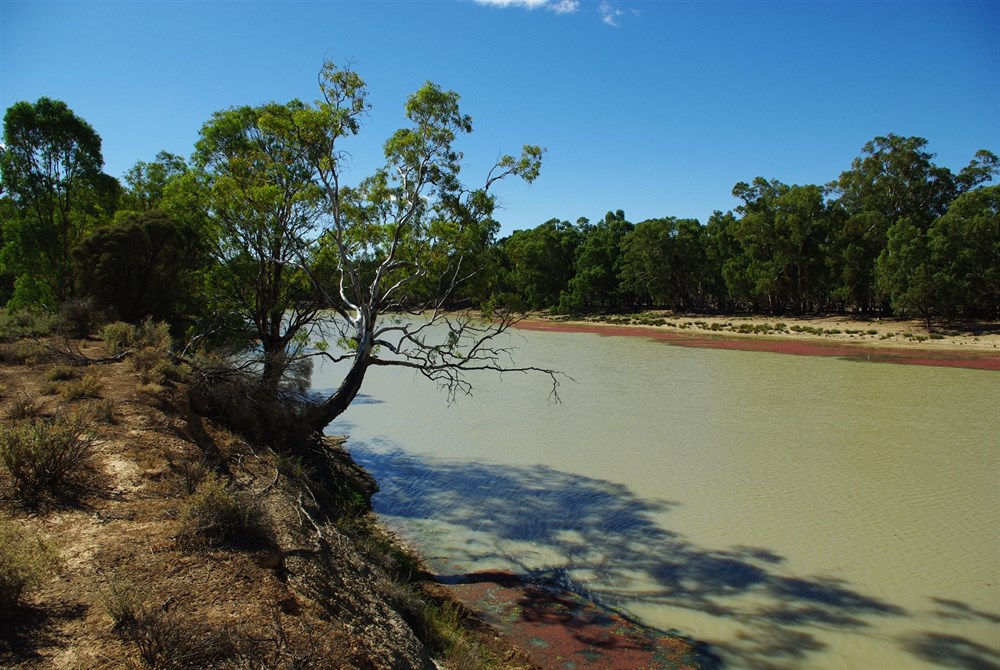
(41, 456)
(58, 373)
(149, 334)
(146, 264)
(217, 514)
(50, 168)
(662, 262)
(541, 262)
(79, 317)
(88, 386)
(147, 184)
(26, 323)
(597, 267)
(25, 562)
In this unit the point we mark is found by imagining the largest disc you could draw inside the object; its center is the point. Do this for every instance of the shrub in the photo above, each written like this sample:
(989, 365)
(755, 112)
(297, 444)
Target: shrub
(122, 601)
(23, 407)
(59, 373)
(24, 564)
(89, 386)
(145, 361)
(216, 514)
(169, 641)
(42, 455)
(78, 317)
(118, 336)
(104, 411)
(25, 323)
(49, 388)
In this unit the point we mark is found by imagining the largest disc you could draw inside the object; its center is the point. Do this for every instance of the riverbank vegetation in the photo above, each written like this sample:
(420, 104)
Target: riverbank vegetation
(163, 463)
(136, 533)
(264, 250)
(894, 235)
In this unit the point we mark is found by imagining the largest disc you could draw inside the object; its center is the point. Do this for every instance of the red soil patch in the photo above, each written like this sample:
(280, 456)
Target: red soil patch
(561, 630)
(911, 356)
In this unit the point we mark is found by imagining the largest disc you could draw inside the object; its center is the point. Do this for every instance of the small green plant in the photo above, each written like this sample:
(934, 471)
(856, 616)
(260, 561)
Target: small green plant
(145, 361)
(42, 455)
(27, 353)
(21, 324)
(123, 601)
(89, 386)
(104, 411)
(23, 407)
(937, 336)
(25, 561)
(217, 514)
(49, 388)
(118, 337)
(871, 332)
(60, 373)
(294, 467)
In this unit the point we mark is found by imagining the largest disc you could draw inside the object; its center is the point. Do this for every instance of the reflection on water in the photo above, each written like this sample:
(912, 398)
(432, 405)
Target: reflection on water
(792, 512)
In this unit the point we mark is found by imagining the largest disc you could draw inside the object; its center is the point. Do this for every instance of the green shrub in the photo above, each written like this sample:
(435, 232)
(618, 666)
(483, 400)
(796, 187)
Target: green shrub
(104, 411)
(123, 602)
(89, 386)
(216, 514)
(78, 317)
(23, 407)
(41, 455)
(60, 373)
(25, 323)
(118, 336)
(145, 361)
(24, 563)
(49, 388)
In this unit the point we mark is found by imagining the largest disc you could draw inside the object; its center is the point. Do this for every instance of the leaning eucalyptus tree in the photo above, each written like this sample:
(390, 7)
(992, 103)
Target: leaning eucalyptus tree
(370, 268)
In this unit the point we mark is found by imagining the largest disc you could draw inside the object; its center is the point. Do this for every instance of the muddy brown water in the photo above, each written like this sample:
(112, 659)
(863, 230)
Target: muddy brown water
(790, 511)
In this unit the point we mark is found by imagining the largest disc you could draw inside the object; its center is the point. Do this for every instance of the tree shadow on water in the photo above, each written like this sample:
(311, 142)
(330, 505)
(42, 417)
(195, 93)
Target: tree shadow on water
(604, 530)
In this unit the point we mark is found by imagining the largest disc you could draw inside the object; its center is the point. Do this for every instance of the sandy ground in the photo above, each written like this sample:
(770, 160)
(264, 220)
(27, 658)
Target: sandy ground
(967, 345)
(981, 336)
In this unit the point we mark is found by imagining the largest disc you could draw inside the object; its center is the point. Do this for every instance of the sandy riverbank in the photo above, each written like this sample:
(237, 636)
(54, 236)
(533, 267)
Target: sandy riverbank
(972, 345)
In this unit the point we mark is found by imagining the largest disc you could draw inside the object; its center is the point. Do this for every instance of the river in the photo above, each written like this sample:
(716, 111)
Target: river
(790, 511)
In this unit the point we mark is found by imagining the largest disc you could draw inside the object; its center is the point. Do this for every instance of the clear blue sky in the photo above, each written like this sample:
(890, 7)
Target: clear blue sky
(657, 108)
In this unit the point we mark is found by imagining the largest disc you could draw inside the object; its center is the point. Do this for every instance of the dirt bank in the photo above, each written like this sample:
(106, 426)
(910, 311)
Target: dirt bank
(967, 345)
(303, 584)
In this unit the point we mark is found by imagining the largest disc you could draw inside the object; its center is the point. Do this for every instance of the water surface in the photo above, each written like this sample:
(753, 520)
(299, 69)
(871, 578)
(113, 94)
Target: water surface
(791, 511)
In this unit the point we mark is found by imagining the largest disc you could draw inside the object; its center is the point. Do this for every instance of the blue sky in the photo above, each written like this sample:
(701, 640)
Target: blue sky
(656, 108)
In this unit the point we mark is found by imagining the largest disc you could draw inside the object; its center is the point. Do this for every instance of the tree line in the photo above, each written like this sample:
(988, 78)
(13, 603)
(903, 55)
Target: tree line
(895, 234)
(261, 251)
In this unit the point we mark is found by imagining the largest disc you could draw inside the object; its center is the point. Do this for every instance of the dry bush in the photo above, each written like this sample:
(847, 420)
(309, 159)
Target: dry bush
(24, 563)
(217, 514)
(42, 455)
(123, 601)
(23, 407)
(88, 386)
(120, 336)
(60, 373)
(169, 641)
